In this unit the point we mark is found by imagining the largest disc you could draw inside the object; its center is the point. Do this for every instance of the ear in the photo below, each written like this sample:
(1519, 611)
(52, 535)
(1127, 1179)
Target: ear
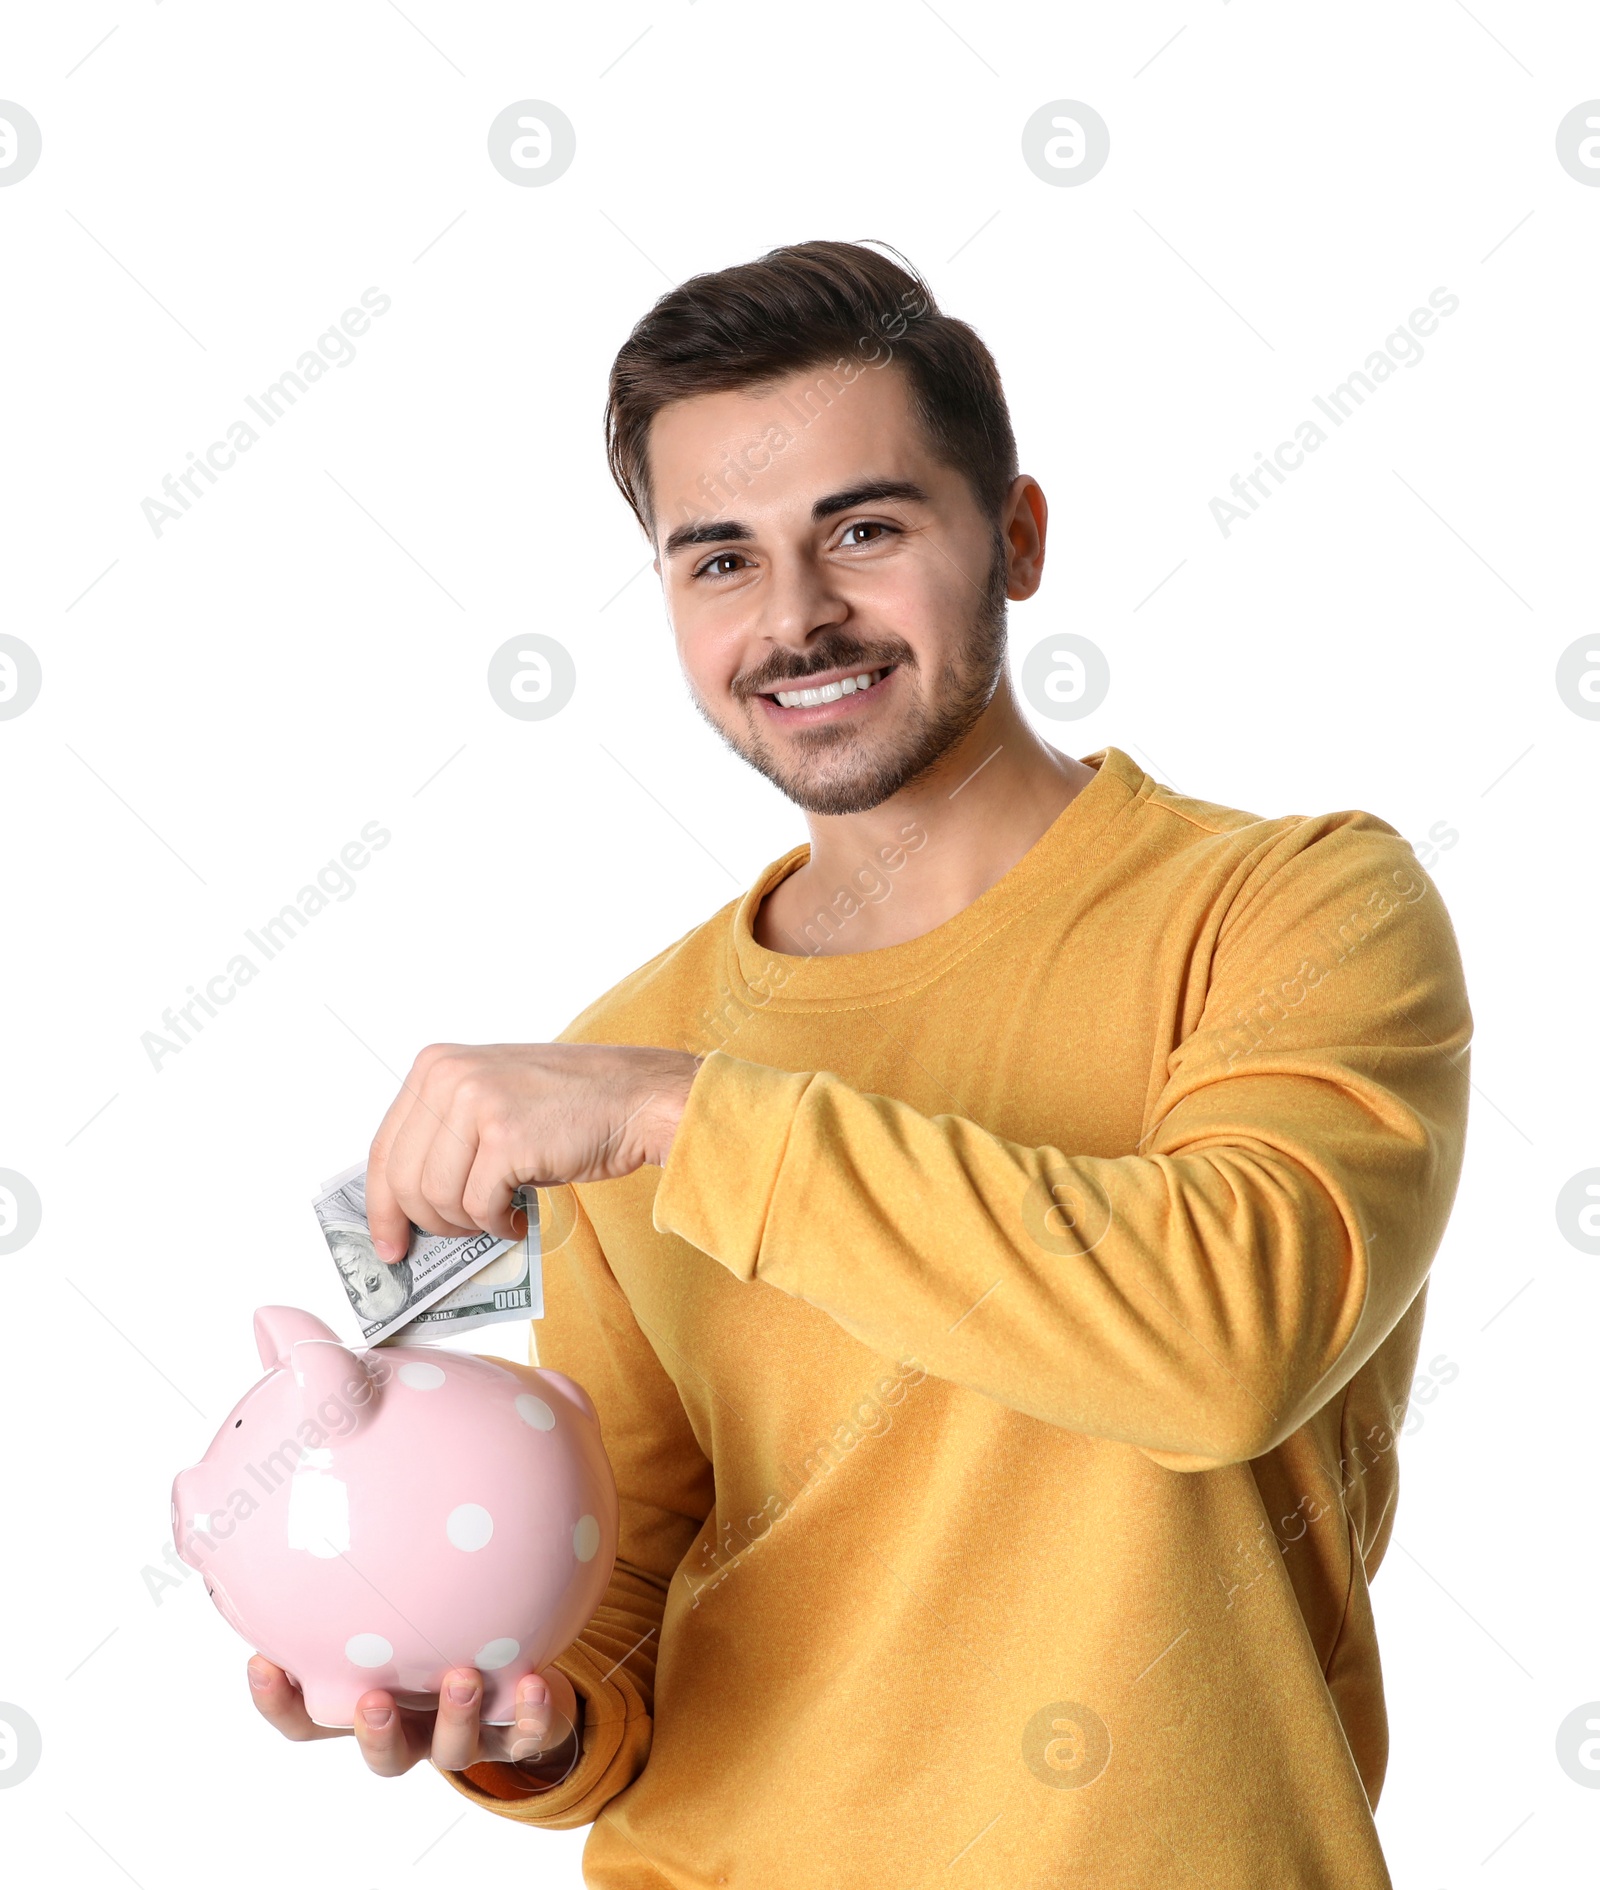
(278, 1327)
(323, 1369)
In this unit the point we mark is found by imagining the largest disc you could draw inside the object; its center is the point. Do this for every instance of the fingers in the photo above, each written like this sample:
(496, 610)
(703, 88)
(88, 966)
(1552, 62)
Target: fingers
(460, 1740)
(544, 1736)
(431, 1150)
(386, 1219)
(391, 1742)
(488, 1191)
(473, 1121)
(455, 1725)
(563, 1698)
(542, 1730)
(395, 1197)
(280, 1702)
(447, 1155)
(538, 1727)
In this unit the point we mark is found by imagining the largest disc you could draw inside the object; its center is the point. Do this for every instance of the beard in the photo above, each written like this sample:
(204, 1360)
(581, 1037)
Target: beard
(841, 770)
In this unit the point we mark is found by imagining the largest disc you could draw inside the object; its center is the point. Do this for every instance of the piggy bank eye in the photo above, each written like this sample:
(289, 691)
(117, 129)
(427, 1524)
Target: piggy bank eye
(237, 1422)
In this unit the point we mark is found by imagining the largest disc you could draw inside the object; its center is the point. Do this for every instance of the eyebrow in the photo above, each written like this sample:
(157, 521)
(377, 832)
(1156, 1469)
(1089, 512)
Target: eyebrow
(733, 531)
(866, 493)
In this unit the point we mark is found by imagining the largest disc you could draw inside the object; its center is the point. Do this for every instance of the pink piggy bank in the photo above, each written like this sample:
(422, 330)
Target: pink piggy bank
(370, 1519)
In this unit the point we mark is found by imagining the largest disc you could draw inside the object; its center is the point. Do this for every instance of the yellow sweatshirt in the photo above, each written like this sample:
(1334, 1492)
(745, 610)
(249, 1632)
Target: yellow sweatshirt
(1002, 1376)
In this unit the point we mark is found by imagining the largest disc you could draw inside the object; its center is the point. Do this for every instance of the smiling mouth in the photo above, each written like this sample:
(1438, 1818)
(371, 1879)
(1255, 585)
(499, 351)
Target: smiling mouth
(819, 695)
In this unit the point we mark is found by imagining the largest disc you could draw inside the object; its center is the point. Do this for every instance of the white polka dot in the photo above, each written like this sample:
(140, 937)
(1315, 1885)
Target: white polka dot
(422, 1377)
(494, 1655)
(536, 1412)
(469, 1526)
(586, 1538)
(368, 1650)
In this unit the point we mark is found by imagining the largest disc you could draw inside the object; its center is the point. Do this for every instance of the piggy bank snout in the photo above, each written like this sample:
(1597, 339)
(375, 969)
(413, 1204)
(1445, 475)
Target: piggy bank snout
(186, 1509)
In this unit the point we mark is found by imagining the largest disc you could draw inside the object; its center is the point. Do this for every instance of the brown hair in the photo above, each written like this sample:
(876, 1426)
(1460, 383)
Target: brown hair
(798, 307)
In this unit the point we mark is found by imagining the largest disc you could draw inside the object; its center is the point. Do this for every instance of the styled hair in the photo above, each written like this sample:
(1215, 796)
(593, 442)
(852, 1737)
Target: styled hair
(840, 305)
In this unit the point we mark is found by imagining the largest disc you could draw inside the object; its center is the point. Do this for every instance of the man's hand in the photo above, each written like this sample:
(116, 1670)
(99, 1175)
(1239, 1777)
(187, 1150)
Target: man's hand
(392, 1739)
(475, 1122)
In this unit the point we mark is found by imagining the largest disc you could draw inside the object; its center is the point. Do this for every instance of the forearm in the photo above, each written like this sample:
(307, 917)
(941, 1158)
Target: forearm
(1192, 1301)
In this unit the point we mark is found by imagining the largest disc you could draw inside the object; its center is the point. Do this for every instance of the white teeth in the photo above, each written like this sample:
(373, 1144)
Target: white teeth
(828, 692)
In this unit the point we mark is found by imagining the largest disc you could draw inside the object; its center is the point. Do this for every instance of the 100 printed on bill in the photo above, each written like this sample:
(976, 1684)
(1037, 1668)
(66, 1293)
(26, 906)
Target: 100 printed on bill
(445, 1282)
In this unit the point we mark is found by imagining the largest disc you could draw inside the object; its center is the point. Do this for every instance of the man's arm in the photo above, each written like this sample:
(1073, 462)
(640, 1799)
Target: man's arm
(665, 1489)
(1198, 1299)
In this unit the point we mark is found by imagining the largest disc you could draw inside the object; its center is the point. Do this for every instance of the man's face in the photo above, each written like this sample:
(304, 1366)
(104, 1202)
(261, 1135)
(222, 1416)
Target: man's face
(840, 549)
(376, 1291)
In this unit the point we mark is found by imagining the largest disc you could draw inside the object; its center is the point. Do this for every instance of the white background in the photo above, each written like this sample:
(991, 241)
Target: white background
(305, 651)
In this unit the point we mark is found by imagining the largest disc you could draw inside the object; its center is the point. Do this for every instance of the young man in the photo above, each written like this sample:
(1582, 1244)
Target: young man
(999, 1248)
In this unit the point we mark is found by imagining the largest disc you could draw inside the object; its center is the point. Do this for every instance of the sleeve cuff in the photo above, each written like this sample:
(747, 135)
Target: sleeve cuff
(718, 1183)
(501, 1779)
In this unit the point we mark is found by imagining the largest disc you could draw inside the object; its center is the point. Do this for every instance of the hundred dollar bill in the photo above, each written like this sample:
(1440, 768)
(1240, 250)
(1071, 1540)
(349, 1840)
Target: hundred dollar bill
(387, 1297)
(511, 1287)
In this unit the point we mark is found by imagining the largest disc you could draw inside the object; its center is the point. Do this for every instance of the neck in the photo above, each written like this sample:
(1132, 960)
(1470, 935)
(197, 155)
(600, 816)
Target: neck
(926, 853)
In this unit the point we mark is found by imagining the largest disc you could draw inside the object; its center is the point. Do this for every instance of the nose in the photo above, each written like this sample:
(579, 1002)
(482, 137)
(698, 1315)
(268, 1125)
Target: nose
(800, 598)
(185, 1492)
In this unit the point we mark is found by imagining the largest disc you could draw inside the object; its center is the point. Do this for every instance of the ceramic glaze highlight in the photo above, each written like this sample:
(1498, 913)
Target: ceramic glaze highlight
(371, 1519)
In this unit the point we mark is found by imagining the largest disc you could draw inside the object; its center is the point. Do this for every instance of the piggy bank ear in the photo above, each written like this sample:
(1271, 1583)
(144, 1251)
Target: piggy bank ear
(326, 1373)
(278, 1328)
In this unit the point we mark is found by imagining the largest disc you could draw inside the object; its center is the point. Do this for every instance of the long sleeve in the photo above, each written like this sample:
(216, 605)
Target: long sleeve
(664, 1488)
(1199, 1297)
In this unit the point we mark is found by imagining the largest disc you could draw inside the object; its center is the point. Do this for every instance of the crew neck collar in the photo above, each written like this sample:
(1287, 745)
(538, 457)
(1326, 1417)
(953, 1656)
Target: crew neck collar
(793, 981)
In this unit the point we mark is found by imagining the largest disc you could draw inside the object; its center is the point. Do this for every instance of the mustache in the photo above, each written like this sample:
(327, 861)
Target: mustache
(781, 671)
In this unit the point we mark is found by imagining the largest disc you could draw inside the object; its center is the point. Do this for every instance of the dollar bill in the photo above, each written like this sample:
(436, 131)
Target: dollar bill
(386, 1299)
(511, 1287)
